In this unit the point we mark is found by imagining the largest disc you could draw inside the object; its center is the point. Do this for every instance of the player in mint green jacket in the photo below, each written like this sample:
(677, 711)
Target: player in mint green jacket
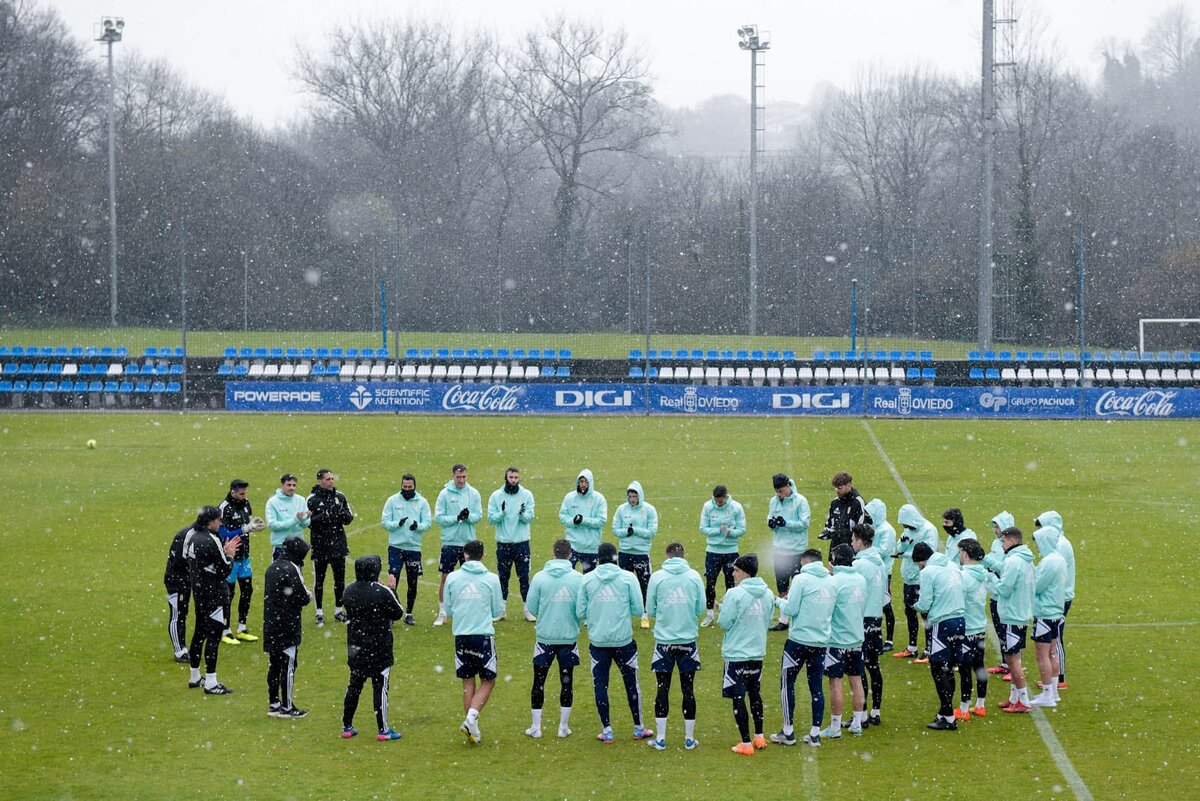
(745, 616)
(973, 658)
(788, 516)
(723, 523)
(1054, 519)
(992, 562)
(609, 597)
(1050, 590)
(885, 544)
(1014, 588)
(869, 564)
(406, 518)
(510, 510)
(584, 514)
(915, 529)
(287, 514)
(675, 599)
(473, 601)
(956, 531)
(458, 509)
(553, 594)
(846, 641)
(809, 606)
(635, 525)
(941, 599)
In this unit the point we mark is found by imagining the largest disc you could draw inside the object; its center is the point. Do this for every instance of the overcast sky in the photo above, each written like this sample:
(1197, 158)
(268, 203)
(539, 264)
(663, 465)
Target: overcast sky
(244, 50)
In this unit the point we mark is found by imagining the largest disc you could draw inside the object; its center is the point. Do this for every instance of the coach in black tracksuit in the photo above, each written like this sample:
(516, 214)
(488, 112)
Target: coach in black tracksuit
(208, 561)
(846, 511)
(179, 593)
(372, 609)
(284, 595)
(331, 513)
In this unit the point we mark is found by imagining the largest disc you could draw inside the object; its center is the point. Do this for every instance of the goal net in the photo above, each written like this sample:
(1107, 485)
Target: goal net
(1169, 334)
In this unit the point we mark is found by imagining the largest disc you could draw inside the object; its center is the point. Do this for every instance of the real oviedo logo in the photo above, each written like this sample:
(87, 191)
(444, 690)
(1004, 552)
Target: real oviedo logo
(1151, 403)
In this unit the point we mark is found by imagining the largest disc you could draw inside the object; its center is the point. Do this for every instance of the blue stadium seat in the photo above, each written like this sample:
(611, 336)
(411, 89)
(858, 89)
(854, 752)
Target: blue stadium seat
(151, 351)
(176, 369)
(757, 355)
(260, 353)
(245, 353)
(1022, 355)
(56, 369)
(63, 386)
(307, 353)
(173, 386)
(651, 354)
(6, 386)
(992, 374)
(1069, 356)
(180, 351)
(276, 353)
(534, 353)
(976, 373)
(974, 356)
(652, 372)
(241, 370)
(565, 354)
(518, 353)
(1193, 356)
(697, 355)
(50, 386)
(1037, 356)
(818, 356)
(789, 355)
(131, 369)
(350, 353)
(336, 353)
(1179, 356)
(711, 355)
(834, 356)
(894, 355)
(20, 386)
(742, 355)
(1148, 356)
(225, 369)
(231, 353)
(111, 386)
(727, 355)
(367, 353)
(91, 350)
(3, 350)
(125, 388)
(26, 368)
(547, 371)
(1052, 356)
(635, 355)
(926, 355)
(10, 368)
(60, 351)
(426, 353)
(96, 386)
(458, 353)
(1164, 356)
(487, 353)
(411, 353)
(18, 350)
(912, 374)
(293, 353)
(41, 368)
(928, 373)
(142, 387)
(472, 353)
(158, 387)
(106, 350)
(75, 351)
(502, 353)
(35, 386)
(850, 356)
(1131, 355)
(1005, 356)
(910, 355)
(563, 371)
(1099, 356)
(772, 355)
(317, 370)
(120, 351)
(636, 372)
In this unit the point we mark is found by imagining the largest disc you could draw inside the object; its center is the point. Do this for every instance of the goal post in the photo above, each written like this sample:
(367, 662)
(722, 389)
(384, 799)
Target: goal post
(1177, 322)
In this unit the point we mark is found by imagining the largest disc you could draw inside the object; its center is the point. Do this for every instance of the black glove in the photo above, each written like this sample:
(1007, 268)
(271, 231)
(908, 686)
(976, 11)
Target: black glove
(905, 539)
(503, 505)
(464, 514)
(403, 520)
(771, 523)
(780, 522)
(825, 534)
(629, 530)
(413, 527)
(521, 511)
(578, 519)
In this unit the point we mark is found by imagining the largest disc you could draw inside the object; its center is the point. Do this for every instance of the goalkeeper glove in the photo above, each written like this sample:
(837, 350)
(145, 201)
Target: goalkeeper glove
(629, 530)
(780, 522)
(464, 514)
(413, 527)
(256, 524)
(825, 534)
(401, 522)
(578, 519)
(771, 523)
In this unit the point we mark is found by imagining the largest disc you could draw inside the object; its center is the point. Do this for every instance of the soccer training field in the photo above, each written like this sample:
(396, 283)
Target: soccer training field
(93, 706)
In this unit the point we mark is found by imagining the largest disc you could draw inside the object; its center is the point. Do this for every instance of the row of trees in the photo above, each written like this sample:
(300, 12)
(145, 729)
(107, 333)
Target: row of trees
(530, 185)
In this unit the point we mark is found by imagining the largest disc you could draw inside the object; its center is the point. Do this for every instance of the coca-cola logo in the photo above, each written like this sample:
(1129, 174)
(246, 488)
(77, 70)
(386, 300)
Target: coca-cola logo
(495, 398)
(1151, 403)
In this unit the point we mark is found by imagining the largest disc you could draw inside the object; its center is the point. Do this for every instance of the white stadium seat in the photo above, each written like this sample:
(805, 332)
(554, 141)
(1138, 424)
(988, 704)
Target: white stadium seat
(1168, 374)
(804, 375)
(379, 371)
(255, 371)
(454, 372)
(1120, 375)
(1102, 374)
(821, 374)
(470, 372)
(303, 370)
(271, 371)
(424, 371)
(438, 373)
(485, 372)
(897, 373)
(347, 371)
(116, 368)
(667, 373)
(408, 372)
(1008, 374)
(287, 370)
(712, 376)
(696, 374)
(1070, 374)
(851, 375)
(500, 373)
(837, 375)
(70, 369)
(516, 372)
(1024, 375)
(1054, 374)
(742, 375)
(1152, 375)
(363, 370)
(388, 372)
(1040, 374)
(789, 375)
(1185, 374)
(774, 375)
(758, 376)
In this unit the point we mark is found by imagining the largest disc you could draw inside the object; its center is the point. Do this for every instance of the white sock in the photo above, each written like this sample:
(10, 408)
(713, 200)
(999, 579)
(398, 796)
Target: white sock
(210, 680)
(337, 610)
(1023, 695)
(441, 608)
(537, 718)
(979, 703)
(783, 621)
(241, 627)
(661, 725)
(835, 722)
(227, 633)
(195, 676)
(874, 711)
(709, 613)
(1054, 689)
(858, 720)
(689, 729)
(815, 731)
(472, 715)
(564, 715)
(1013, 694)
(789, 731)
(965, 706)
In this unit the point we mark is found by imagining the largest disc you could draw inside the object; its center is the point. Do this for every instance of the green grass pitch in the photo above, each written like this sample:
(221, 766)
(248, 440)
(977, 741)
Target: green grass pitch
(92, 706)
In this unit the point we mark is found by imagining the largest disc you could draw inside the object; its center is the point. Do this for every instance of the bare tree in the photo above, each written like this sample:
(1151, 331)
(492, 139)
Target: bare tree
(1170, 43)
(583, 94)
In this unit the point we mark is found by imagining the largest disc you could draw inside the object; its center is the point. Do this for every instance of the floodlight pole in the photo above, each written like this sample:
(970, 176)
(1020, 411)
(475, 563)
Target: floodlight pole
(111, 29)
(987, 118)
(750, 41)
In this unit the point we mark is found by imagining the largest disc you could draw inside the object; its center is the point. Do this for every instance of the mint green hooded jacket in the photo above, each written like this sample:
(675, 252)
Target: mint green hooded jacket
(870, 567)
(1050, 576)
(473, 599)
(792, 537)
(675, 599)
(995, 555)
(584, 538)
(885, 536)
(400, 535)
(553, 593)
(1014, 589)
(450, 501)
(643, 518)
(731, 516)
(850, 603)
(810, 606)
(610, 596)
(745, 616)
(281, 516)
(975, 595)
(952, 553)
(511, 524)
(1053, 519)
(941, 590)
(923, 532)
